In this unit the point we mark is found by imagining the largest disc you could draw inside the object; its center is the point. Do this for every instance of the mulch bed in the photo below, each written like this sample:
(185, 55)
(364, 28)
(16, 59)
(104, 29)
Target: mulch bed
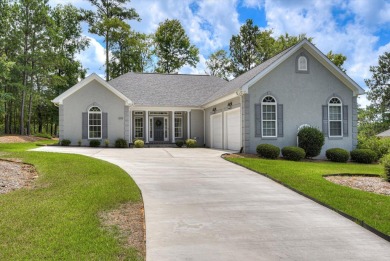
(15, 175)
(371, 184)
(19, 139)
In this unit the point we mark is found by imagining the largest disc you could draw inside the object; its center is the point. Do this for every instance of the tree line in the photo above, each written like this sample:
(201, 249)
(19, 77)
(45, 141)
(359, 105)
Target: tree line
(39, 45)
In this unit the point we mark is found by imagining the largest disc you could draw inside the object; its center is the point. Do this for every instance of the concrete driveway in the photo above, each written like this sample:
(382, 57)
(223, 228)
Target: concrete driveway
(201, 207)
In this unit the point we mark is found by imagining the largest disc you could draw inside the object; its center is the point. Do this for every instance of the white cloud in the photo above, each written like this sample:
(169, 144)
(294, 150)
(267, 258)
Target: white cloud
(253, 3)
(93, 58)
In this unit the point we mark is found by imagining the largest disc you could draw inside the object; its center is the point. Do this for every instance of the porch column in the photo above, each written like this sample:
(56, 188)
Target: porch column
(146, 126)
(188, 124)
(130, 125)
(173, 127)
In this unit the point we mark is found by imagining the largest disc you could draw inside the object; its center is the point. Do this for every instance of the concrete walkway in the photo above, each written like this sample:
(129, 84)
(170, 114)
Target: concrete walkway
(201, 207)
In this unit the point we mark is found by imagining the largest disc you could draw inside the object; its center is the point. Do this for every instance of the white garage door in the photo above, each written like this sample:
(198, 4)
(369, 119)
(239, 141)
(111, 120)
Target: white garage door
(216, 131)
(232, 131)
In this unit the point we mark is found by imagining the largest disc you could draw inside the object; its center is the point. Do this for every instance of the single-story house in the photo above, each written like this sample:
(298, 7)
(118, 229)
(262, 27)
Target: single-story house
(267, 104)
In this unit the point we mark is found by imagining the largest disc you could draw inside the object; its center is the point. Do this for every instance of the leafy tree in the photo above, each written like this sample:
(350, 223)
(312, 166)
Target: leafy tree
(131, 53)
(173, 48)
(338, 59)
(110, 16)
(244, 49)
(369, 124)
(379, 87)
(219, 64)
(5, 68)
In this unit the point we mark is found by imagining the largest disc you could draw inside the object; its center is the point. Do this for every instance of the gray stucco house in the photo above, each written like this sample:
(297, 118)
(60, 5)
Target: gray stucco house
(265, 105)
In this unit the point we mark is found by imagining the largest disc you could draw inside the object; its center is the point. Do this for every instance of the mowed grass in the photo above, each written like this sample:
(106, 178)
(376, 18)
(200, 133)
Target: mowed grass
(307, 177)
(58, 218)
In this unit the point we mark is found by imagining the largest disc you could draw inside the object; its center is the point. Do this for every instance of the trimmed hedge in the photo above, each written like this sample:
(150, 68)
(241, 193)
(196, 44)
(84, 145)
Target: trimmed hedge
(191, 143)
(366, 156)
(65, 142)
(293, 153)
(337, 155)
(94, 143)
(386, 164)
(268, 151)
(311, 140)
(139, 144)
(121, 143)
(179, 143)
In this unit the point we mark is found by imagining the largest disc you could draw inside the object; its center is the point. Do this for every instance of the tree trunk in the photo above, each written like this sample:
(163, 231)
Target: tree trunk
(107, 66)
(29, 114)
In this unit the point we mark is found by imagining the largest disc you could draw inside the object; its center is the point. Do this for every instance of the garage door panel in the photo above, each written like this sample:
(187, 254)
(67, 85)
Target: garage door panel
(233, 136)
(216, 131)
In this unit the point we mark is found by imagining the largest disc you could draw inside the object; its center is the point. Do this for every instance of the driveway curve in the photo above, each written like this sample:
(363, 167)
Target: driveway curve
(201, 207)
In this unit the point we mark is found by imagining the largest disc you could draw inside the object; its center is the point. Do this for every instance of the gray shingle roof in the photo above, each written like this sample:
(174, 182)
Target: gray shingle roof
(178, 90)
(236, 84)
(182, 90)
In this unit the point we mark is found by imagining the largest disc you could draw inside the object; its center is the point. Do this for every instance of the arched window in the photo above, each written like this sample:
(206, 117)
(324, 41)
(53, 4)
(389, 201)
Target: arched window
(94, 123)
(269, 116)
(302, 64)
(335, 118)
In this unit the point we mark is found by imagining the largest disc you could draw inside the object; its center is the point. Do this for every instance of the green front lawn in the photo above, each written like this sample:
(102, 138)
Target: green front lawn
(306, 177)
(58, 219)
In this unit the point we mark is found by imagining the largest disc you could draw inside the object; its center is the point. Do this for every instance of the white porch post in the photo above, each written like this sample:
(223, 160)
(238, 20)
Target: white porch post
(173, 127)
(130, 126)
(146, 126)
(188, 124)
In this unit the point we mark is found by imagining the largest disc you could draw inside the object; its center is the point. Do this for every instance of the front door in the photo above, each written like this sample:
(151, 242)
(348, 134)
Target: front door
(158, 129)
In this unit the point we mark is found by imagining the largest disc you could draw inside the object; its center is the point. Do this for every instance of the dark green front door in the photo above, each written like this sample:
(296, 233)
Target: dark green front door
(159, 129)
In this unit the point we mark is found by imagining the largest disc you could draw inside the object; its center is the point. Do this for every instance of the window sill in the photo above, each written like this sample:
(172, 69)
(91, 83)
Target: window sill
(269, 138)
(335, 138)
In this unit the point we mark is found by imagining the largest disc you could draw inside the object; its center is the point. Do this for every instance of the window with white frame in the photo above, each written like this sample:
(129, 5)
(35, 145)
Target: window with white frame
(94, 123)
(302, 63)
(269, 117)
(138, 127)
(335, 117)
(178, 127)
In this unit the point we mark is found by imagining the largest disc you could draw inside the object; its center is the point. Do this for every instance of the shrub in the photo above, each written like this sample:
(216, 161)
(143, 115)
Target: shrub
(79, 142)
(366, 156)
(380, 146)
(337, 155)
(191, 143)
(65, 142)
(121, 143)
(293, 153)
(311, 140)
(94, 143)
(268, 151)
(106, 143)
(179, 143)
(386, 164)
(139, 144)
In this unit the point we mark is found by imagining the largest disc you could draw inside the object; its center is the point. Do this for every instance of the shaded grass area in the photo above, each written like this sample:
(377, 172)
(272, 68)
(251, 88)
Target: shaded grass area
(58, 218)
(307, 178)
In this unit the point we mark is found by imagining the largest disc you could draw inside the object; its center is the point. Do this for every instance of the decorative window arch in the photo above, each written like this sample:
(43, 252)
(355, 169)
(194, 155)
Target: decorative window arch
(335, 112)
(302, 63)
(269, 117)
(94, 123)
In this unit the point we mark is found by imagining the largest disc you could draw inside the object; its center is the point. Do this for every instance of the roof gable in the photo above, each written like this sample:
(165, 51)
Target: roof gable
(93, 77)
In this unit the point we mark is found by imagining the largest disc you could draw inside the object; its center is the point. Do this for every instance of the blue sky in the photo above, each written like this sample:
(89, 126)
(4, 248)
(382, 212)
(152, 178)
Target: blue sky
(359, 29)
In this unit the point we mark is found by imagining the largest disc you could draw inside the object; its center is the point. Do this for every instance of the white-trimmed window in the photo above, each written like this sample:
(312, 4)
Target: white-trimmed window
(302, 64)
(139, 127)
(178, 127)
(335, 112)
(268, 117)
(94, 123)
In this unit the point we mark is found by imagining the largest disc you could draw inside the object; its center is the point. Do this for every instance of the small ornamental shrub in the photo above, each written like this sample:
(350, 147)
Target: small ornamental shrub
(386, 164)
(106, 143)
(293, 153)
(65, 142)
(179, 143)
(337, 155)
(94, 143)
(311, 140)
(191, 143)
(366, 156)
(121, 143)
(268, 151)
(139, 144)
(79, 142)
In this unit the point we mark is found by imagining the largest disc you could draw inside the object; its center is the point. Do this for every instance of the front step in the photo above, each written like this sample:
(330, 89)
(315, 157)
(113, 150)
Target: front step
(156, 145)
